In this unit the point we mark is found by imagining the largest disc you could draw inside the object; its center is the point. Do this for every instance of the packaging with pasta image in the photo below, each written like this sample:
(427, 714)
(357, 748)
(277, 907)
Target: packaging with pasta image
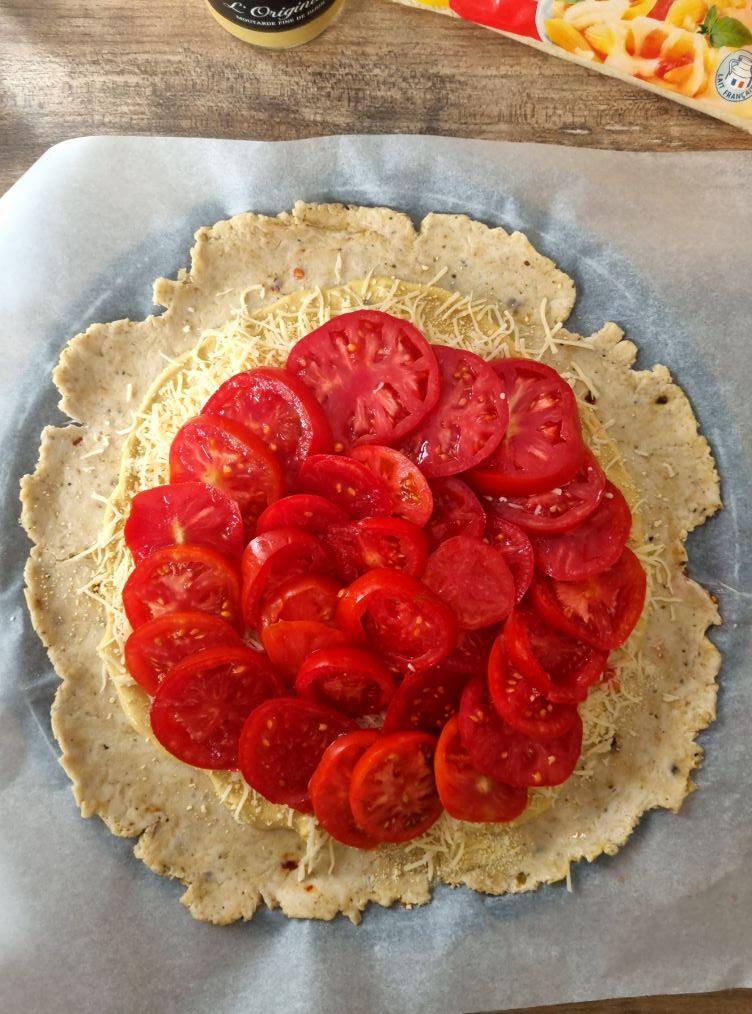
(694, 51)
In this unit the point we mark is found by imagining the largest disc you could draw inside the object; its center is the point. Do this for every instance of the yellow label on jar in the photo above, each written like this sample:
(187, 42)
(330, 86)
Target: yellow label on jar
(275, 24)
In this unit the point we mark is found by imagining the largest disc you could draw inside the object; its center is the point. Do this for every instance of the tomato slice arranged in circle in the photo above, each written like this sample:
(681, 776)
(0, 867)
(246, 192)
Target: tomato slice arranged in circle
(593, 545)
(456, 511)
(201, 705)
(347, 679)
(393, 791)
(602, 610)
(468, 421)
(225, 454)
(307, 597)
(289, 643)
(408, 488)
(306, 511)
(466, 793)
(472, 579)
(348, 484)
(542, 447)
(374, 375)
(496, 749)
(514, 545)
(470, 656)
(561, 668)
(425, 701)
(183, 512)
(399, 617)
(378, 542)
(279, 410)
(273, 558)
(180, 579)
(330, 788)
(281, 745)
(558, 509)
(158, 645)
(520, 704)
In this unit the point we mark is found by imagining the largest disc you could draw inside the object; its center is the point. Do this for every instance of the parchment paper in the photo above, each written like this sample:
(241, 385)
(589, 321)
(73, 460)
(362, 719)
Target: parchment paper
(662, 244)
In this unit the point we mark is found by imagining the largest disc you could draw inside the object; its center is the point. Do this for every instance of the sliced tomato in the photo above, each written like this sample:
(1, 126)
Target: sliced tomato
(602, 610)
(178, 579)
(465, 793)
(408, 488)
(279, 410)
(456, 511)
(520, 704)
(307, 597)
(288, 643)
(561, 668)
(225, 454)
(281, 745)
(468, 421)
(399, 617)
(515, 16)
(542, 447)
(310, 513)
(181, 512)
(377, 542)
(471, 653)
(514, 545)
(199, 708)
(472, 579)
(558, 509)
(374, 375)
(330, 788)
(393, 791)
(347, 679)
(348, 484)
(425, 701)
(273, 558)
(496, 749)
(593, 545)
(158, 645)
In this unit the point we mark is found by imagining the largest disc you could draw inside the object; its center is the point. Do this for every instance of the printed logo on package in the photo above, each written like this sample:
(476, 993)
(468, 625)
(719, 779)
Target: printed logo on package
(733, 80)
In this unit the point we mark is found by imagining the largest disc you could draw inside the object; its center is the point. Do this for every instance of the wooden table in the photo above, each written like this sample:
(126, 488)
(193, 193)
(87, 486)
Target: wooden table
(78, 67)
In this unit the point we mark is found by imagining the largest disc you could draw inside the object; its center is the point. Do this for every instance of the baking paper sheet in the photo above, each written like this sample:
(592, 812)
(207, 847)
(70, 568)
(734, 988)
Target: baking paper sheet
(662, 244)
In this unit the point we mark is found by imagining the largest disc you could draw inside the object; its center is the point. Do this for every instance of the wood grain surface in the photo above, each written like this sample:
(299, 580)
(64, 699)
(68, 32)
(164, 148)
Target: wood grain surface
(76, 67)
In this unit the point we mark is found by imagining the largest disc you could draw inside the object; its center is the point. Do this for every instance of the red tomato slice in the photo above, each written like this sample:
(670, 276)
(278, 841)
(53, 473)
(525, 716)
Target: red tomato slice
(399, 617)
(542, 447)
(515, 16)
(346, 679)
(157, 646)
(408, 488)
(273, 558)
(346, 483)
(378, 542)
(515, 546)
(330, 788)
(308, 597)
(518, 702)
(602, 610)
(593, 545)
(465, 793)
(374, 375)
(183, 512)
(281, 745)
(225, 454)
(289, 643)
(472, 579)
(472, 651)
(393, 792)
(279, 410)
(456, 511)
(558, 509)
(310, 513)
(425, 701)
(560, 668)
(468, 421)
(496, 749)
(180, 579)
(200, 706)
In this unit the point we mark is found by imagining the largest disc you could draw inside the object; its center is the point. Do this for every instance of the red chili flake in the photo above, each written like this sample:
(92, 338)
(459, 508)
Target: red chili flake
(298, 272)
